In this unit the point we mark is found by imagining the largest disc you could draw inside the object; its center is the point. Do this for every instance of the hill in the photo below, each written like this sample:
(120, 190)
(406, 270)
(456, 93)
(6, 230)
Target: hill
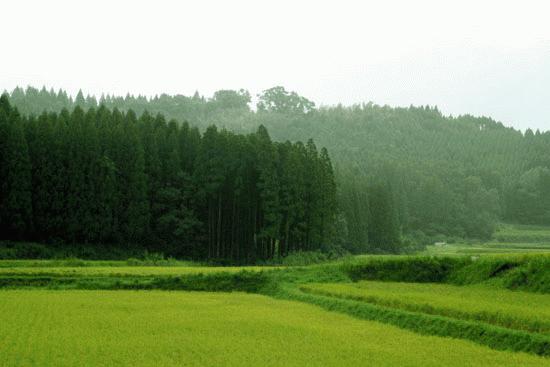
(447, 176)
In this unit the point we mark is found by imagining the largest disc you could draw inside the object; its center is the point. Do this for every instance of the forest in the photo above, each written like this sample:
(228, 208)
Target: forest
(102, 176)
(169, 179)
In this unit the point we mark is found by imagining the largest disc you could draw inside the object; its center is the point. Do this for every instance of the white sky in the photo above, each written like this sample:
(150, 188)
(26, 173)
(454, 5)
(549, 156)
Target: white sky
(481, 57)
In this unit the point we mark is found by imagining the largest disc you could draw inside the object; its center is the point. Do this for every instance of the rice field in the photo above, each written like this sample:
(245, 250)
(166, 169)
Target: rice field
(73, 312)
(490, 248)
(511, 309)
(507, 239)
(522, 233)
(124, 270)
(146, 328)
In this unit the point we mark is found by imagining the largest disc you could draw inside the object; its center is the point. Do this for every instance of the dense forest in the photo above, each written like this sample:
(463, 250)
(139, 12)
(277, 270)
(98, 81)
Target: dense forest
(404, 176)
(103, 176)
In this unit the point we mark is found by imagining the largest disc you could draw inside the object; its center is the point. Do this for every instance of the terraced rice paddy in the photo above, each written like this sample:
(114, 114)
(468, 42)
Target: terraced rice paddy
(127, 313)
(123, 270)
(146, 328)
(511, 309)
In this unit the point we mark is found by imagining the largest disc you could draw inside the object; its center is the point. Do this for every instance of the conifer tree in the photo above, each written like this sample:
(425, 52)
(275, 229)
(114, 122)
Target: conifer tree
(108, 177)
(15, 171)
(268, 186)
(383, 231)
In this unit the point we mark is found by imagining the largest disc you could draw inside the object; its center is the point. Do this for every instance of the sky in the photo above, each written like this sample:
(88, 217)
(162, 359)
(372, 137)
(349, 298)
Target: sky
(485, 58)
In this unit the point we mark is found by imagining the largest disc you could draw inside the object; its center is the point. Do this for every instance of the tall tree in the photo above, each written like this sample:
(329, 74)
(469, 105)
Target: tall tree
(15, 170)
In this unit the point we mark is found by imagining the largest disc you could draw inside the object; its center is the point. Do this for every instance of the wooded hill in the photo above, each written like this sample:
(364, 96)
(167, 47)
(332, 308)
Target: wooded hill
(419, 173)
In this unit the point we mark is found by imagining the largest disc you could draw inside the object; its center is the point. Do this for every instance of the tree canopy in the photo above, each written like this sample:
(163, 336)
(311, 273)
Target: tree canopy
(446, 176)
(106, 176)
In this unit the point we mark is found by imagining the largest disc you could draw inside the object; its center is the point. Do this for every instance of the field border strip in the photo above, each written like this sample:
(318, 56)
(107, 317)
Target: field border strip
(428, 309)
(489, 335)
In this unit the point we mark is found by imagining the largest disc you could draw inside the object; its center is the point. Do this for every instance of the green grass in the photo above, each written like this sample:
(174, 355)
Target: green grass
(490, 248)
(517, 310)
(526, 272)
(75, 262)
(123, 270)
(482, 333)
(481, 312)
(522, 233)
(507, 239)
(106, 328)
(519, 272)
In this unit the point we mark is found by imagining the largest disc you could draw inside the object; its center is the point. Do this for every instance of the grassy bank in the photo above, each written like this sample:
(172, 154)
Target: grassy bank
(516, 310)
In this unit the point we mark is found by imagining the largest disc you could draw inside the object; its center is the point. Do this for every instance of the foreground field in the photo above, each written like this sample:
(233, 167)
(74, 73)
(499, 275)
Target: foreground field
(517, 310)
(429, 310)
(106, 328)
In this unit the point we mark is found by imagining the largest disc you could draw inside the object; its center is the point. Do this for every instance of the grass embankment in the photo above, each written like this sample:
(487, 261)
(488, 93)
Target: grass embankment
(528, 273)
(516, 310)
(518, 272)
(491, 273)
(68, 328)
(481, 333)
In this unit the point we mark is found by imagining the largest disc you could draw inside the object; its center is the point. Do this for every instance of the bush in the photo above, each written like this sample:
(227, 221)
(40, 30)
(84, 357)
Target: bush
(24, 250)
(10, 250)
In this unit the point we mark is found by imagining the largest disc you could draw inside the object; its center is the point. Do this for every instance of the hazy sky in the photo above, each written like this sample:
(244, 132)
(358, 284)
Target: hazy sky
(480, 57)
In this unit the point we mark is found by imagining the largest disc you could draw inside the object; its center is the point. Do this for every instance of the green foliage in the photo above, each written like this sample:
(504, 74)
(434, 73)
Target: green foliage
(15, 175)
(450, 176)
(383, 224)
(278, 100)
(102, 177)
(484, 269)
(520, 272)
(528, 198)
(446, 175)
(405, 269)
(353, 201)
(59, 250)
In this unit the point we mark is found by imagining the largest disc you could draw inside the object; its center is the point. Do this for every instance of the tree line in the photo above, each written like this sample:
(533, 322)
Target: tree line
(447, 176)
(110, 177)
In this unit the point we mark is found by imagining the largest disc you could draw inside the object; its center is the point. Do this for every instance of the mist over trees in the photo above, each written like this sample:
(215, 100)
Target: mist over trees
(407, 173)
